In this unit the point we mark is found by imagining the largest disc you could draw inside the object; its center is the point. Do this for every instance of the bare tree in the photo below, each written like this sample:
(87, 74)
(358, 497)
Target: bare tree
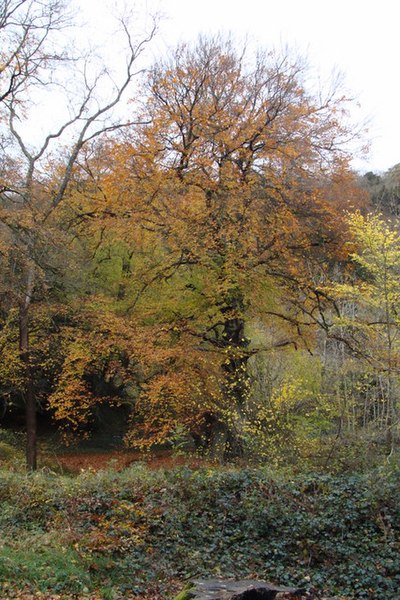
(26, 28)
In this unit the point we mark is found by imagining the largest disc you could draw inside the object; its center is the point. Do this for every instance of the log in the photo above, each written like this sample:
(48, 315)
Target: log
(248, 589)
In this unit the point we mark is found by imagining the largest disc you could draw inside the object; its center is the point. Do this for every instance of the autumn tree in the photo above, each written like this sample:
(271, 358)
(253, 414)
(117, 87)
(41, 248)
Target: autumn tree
(233, 180)
(384, 190)
(39, 166)
(371, 329)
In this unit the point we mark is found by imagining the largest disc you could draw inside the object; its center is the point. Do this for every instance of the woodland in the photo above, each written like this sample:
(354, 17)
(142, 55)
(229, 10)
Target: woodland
(190, 267)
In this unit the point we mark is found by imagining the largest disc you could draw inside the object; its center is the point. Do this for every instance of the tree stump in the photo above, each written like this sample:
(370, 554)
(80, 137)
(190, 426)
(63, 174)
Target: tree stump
(248, 589)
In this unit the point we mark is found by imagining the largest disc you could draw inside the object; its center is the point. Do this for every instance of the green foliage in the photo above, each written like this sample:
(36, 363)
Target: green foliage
(11, 454)
(288, 413)
(371, 326)
(6, 451)
(132, 529)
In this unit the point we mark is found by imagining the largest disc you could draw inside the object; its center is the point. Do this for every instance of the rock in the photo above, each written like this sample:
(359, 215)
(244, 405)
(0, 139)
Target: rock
(249, 589)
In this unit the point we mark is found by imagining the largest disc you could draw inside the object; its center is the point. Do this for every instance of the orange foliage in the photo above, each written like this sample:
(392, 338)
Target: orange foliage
(230, 197)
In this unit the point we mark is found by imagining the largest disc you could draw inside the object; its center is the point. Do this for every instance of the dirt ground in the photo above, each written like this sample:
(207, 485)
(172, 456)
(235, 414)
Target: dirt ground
(74, 462)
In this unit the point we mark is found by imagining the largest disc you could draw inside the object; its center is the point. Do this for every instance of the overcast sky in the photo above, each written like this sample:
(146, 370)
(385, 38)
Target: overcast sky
(360, 38)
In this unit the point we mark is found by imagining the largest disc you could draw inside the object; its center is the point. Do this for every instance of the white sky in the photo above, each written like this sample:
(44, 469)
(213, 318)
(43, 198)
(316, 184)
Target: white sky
(360, 38)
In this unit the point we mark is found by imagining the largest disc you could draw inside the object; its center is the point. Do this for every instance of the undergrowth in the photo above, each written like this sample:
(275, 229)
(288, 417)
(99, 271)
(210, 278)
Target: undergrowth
(144, 533)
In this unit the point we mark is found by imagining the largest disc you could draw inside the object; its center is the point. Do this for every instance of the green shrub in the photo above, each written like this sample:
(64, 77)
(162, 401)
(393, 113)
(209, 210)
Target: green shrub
(141, 528)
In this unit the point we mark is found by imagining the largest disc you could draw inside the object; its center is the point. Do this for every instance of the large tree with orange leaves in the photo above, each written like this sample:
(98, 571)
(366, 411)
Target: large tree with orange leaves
(237, 181)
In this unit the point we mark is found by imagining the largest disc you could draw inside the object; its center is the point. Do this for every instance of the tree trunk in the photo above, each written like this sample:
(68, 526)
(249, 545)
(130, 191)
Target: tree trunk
(236, 379)
(218, 441)
(29, 396)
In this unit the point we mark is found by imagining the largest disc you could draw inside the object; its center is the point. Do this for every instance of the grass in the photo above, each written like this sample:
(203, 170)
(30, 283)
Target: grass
(44, 566)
